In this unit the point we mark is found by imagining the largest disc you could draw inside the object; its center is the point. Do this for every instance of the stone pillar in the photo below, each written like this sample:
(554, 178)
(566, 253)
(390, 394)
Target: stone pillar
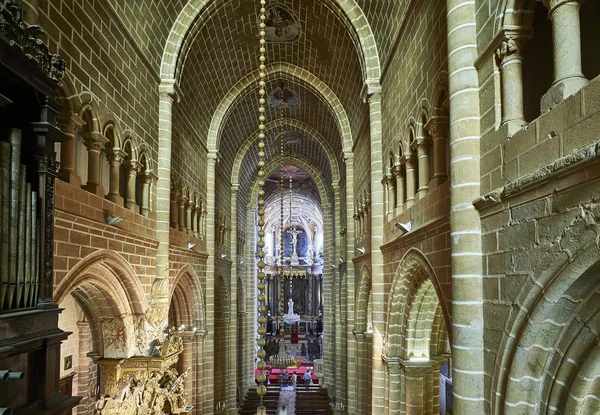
(232, 368)
(361, 361)
(181, 202)
(566, 39)
(147, 180)
(132, 167)
(398, 173)
(361, 222)
(511, 72)
(394, 389)
(423, 161)
(189, 207)
(94, 142)
(69, 125)
(391, 199)
(209, 343)
(411, 180)
(465, 226)
(376, 231)
(173, 209)
(83, 368)
(348, 239)
(115, 158)
(438, 129)
(195, 220)
(367, 221)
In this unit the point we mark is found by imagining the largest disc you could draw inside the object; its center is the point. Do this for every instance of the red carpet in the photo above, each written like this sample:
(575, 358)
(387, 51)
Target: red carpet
(274, 373)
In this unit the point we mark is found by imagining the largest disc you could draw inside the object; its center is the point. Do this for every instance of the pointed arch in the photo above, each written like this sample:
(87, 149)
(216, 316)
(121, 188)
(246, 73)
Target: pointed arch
(111, 272)
(354, 18)
(414, 302)
(186, 298)
(317, 86)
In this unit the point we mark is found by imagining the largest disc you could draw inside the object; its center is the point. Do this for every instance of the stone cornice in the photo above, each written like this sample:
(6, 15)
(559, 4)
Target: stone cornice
(564, 165)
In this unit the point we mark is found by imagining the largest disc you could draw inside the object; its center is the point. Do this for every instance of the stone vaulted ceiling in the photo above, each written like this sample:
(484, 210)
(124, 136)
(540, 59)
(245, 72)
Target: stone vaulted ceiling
(222, 49)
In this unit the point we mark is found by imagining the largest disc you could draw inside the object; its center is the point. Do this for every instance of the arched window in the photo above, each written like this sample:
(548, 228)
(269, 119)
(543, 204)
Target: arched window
(537, 59)
(590, 34)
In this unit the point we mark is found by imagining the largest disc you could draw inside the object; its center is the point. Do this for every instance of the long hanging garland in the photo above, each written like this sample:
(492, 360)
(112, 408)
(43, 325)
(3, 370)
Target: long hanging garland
(261, 390)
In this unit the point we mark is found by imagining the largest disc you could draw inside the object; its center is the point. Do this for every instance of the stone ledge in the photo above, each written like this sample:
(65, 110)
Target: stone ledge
(564, 165)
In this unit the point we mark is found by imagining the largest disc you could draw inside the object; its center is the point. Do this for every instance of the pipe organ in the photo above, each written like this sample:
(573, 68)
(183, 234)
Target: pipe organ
(19, 229)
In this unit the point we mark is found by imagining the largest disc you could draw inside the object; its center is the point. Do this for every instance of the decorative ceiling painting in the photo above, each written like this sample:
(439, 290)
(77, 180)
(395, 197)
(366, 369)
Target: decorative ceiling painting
(282, 26)
(282, 95)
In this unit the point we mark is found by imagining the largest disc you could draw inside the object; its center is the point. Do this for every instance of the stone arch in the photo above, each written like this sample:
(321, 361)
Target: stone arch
(362, 299)
(318, 87)
(90, 113)
(306, 165)
(186, 298)
(129, 139)
(296, 125)
(112, 131)
(412, 307)
(552, 331)
(106, 288)
(350, 9)
(144, 153)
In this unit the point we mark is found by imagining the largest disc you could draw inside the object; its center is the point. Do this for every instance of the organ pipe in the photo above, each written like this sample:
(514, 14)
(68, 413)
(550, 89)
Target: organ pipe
(19, 249)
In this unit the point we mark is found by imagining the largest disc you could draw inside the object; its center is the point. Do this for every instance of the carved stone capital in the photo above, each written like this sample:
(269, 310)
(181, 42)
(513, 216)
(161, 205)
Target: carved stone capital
(70, 123)
(169, 90)
(437, 127)
(133, 167)
(510, 47)
(116, 156)
(94, 141)
(552, 5)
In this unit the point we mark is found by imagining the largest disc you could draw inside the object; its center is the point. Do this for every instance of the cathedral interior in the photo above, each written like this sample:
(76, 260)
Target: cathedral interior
(399, 200)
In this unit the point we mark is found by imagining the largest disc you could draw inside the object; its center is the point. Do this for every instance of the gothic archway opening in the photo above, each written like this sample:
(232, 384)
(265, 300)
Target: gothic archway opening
(417, 349)
(295, 257)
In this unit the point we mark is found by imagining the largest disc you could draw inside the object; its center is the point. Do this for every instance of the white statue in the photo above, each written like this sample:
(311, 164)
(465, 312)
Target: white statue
(290, 307)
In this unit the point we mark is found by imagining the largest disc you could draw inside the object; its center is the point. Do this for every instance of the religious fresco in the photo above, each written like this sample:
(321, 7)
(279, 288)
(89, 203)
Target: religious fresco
(281, 25)
(283, 95)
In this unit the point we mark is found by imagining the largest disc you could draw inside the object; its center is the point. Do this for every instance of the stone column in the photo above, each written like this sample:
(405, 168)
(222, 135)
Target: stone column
(209, 344)
(195, 214)
(511, 72)
(232, 378)
(189, 207)
(173, 209)
(348, 239)
(94, 142)
(83, 368)
(423, 162)
(181, 202)
(147, 180)
(400, 187)
(376, 230)
(566, 39)
(394, 389)
(438, 129)
(69, 125)
(361, 222)
(465, 226)
(132, 167)
(411, 180)
(391, 183)
(367, 221)
(115, 158)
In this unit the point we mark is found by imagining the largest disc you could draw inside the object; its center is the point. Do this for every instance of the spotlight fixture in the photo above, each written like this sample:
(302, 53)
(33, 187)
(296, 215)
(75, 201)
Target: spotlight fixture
(223, 256)
(341, 260)
(242, 262)
(361, 250)
(333, 266)
(404, 227)
(191, 245)
(113, 220)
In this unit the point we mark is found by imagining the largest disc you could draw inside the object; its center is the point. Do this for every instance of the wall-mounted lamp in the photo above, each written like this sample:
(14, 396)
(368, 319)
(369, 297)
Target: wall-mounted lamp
(113, 220)
(404, 227)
